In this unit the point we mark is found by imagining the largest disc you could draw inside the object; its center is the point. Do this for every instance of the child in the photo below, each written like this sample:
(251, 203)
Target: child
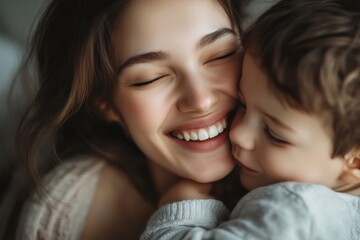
(297, 132)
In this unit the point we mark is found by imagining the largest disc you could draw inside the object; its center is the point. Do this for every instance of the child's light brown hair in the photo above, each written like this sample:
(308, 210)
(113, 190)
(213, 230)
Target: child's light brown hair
(310, 51)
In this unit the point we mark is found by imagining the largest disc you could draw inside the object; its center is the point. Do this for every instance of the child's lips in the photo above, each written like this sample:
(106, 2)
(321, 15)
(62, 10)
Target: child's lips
(245, 168)
(236, 152)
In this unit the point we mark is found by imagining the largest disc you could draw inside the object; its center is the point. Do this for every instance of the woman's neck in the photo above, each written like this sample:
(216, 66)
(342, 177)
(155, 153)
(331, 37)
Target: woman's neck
(163, 179)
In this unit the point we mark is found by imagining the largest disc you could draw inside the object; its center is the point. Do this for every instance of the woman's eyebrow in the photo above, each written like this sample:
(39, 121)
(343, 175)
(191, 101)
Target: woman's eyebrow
(160, 55)
(143, 58)
(212, 37)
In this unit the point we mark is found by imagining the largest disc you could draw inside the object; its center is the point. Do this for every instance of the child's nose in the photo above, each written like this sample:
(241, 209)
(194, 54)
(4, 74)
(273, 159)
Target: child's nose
(242, 133)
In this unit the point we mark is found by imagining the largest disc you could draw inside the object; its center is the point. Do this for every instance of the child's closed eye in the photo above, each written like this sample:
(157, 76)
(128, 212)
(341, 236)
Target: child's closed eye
(274, 137)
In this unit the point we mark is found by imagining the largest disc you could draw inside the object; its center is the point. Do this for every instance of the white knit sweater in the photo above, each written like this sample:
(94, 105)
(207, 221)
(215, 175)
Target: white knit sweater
(60, 212)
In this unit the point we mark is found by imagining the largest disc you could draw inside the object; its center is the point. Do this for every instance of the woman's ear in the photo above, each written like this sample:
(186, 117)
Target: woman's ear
(107, 111)
(351, 172)
(109, 114)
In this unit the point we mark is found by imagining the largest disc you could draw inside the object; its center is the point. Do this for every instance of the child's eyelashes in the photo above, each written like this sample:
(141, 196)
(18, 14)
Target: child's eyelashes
(269, 134)
(273, 137)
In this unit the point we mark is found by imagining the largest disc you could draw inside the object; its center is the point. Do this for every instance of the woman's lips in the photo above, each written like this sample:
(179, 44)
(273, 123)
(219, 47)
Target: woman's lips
(202, 135)
(198, 123)
(208, 145)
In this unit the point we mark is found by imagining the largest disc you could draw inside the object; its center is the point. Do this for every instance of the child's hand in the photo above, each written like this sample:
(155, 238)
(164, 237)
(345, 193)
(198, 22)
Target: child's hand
(186, 190)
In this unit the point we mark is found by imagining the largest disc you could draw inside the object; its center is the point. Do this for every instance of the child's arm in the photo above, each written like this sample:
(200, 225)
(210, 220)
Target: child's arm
(189, 195)
(282, 212)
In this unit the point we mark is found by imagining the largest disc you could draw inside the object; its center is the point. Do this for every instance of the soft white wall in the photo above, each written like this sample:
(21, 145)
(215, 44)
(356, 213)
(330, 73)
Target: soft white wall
(16, 17)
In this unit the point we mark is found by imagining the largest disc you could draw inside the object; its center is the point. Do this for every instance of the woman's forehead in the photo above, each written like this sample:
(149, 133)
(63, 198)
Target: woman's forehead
(154, 25)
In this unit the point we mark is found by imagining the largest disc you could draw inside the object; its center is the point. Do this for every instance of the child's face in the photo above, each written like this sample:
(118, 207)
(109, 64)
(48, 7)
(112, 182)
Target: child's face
(180, 69)
(273, 142)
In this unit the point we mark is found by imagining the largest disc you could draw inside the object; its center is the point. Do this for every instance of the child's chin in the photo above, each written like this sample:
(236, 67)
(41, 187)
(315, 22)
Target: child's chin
(248, 183)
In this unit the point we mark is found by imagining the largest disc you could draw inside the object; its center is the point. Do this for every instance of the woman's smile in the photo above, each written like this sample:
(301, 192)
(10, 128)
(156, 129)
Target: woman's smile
(202, 135)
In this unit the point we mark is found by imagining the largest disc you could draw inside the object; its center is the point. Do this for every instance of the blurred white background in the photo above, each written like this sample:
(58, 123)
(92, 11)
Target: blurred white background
(16, 19)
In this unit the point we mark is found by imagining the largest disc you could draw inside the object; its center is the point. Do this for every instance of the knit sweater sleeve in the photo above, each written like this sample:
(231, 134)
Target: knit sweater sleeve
(282, 212)
(185, 220)
(60, 212)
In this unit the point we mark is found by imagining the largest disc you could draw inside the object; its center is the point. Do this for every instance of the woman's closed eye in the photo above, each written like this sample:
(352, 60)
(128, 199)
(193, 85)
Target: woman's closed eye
(226, 55)
(223, 56)
(273, 137)
(147, 82)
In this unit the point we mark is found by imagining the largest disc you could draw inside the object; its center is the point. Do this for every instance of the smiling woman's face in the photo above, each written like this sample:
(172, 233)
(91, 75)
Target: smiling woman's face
(179, 64)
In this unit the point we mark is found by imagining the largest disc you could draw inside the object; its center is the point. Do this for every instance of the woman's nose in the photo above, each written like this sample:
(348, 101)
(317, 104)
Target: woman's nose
(197, 96)
(242, 133)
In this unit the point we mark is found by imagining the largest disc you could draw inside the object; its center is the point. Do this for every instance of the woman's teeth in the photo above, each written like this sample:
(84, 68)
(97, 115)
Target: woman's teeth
(201, 134)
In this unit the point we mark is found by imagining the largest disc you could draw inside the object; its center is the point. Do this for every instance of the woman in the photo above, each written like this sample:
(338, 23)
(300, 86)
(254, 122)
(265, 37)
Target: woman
(132, 95)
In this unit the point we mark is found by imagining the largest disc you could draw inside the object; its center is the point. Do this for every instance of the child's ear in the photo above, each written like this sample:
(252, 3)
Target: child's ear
(107, 111)
(351, 173)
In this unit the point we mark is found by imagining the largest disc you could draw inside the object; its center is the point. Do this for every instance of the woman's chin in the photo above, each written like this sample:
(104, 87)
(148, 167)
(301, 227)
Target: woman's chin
(213, 174)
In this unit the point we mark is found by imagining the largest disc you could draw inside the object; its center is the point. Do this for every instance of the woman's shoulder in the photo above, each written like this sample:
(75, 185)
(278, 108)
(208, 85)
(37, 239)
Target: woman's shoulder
(118, 210)
(85, 198)
(59, 210)
(73, 173)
